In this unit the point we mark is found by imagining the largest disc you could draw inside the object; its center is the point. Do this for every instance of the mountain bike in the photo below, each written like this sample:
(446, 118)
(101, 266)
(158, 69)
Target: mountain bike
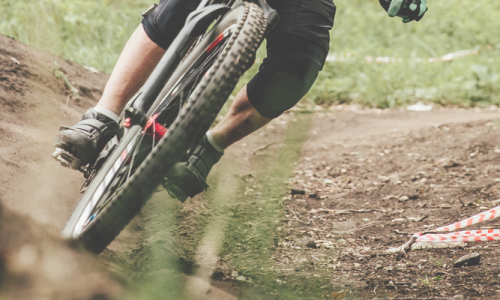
(164, 122)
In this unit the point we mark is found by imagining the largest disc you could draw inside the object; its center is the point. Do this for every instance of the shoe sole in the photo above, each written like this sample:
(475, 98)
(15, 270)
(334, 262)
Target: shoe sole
(68, 160)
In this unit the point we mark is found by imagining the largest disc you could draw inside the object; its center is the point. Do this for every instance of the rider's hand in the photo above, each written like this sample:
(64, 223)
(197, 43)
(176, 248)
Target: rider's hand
(408, 10)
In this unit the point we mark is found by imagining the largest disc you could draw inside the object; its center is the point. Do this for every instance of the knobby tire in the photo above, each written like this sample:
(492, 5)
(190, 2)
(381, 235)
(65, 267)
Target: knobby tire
(188, 128)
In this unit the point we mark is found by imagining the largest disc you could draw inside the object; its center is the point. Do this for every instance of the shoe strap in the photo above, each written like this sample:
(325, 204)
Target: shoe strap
(204, 157)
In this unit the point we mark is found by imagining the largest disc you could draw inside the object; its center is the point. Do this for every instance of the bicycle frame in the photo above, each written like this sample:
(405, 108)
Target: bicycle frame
(196, 24)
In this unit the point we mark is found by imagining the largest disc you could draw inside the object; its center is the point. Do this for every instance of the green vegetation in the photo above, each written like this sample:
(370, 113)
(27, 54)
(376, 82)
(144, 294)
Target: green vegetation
(363, 29)
(93, 33)
(239, 221)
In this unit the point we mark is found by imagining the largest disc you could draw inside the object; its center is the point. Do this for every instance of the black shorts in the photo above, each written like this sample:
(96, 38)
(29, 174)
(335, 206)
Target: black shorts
(297, 46)
(311, 19)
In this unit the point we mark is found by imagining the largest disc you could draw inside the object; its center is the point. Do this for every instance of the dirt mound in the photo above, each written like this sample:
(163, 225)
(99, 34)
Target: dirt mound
(35, 264)
(36, 195)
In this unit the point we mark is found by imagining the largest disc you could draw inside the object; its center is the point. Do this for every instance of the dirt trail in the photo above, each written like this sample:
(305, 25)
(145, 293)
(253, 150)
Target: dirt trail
(223, 234)
(372, 179)
(248, 235)
(36, 195)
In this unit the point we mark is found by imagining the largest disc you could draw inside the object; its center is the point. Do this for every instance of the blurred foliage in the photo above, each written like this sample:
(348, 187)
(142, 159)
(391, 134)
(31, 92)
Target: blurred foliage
(88, 32)
(363, 29)
(93, 33)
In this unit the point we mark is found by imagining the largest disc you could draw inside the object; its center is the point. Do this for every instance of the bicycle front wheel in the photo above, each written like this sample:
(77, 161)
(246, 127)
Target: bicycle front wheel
(187, 106)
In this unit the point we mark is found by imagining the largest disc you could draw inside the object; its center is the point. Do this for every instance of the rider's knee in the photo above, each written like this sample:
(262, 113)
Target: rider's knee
(280, 91)
(284, 78)
(164, 22)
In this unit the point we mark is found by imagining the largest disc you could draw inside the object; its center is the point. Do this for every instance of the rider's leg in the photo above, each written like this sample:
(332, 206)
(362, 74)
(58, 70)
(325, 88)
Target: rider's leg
(189, 178)
(99, 124)
(87, 138)
(283, 79)
(135, 64)
(241, 120)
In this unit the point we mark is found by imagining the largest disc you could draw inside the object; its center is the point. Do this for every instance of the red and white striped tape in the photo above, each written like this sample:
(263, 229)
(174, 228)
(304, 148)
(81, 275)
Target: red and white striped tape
(479, 218)
(461, 236)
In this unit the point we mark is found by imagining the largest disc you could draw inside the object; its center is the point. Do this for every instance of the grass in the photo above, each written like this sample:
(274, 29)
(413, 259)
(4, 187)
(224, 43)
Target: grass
(236, 221)
(362, 29)
(88, 32)
(93, 33)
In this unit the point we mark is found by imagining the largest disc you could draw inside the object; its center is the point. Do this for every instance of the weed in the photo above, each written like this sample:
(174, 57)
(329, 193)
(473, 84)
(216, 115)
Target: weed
(439, 262)
(428, 283)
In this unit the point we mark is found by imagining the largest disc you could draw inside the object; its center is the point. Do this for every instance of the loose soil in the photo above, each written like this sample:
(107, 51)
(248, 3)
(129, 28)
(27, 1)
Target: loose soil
(364, 180)
(36, 195)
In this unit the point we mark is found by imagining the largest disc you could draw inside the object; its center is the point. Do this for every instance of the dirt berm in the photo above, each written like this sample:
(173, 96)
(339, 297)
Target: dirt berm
(36, 195)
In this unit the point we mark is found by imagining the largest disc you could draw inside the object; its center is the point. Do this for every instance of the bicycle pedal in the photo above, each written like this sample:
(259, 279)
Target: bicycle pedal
(68, 160)
(174, 191)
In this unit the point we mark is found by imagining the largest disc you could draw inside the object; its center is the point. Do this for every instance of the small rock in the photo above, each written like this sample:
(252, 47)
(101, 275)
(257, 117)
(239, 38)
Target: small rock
(388, 269)
(311, 244)
(296, 191)
(448, 163)
(399, 220)
(384, 178)
(403, 198)
(15, 60)
(327, 181)
(472, 259)
(445, 206)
